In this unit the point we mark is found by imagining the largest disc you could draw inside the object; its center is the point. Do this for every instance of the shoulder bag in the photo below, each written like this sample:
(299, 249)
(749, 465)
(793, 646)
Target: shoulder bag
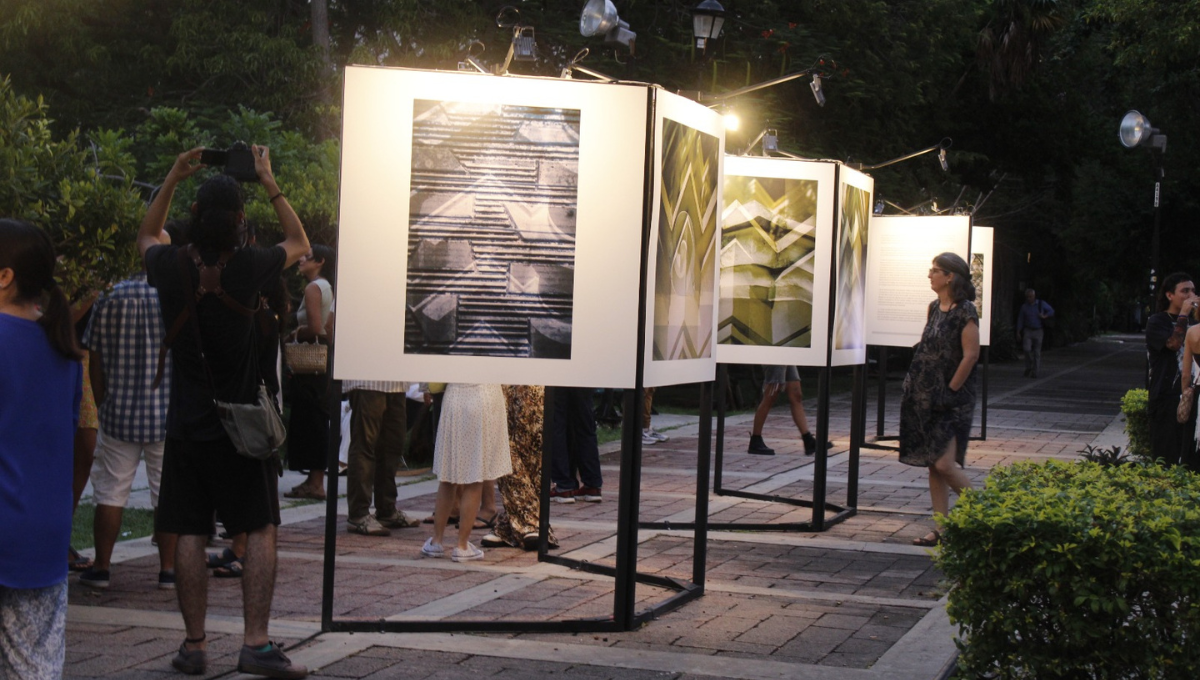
(256, 429)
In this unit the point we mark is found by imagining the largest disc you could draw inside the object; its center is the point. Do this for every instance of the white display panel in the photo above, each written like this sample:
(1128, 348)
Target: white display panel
(682, 276)
(776, 248)
(848, 336)
(490, 229)
(898, 262)
(981, 276)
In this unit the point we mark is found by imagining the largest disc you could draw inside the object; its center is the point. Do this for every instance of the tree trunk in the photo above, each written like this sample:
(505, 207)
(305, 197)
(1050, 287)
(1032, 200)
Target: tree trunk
(320, 26)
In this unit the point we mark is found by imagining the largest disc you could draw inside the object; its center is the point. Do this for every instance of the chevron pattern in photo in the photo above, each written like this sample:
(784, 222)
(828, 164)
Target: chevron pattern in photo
(491, 245)
(849, 320)
(685, 262)
(768, 244)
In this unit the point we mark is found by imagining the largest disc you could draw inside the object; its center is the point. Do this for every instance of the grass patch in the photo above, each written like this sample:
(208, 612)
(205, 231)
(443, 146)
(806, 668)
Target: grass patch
(135, 523)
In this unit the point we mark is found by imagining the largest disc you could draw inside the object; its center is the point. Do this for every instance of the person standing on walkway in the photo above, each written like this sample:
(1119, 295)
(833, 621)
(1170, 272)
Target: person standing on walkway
(574, 452)
(123, 339)
(41, 385)
(213, 358)
(938, 402)
(1032, 320)
(378, 414)
(308, 427)
(778, 379)
(1165, 331)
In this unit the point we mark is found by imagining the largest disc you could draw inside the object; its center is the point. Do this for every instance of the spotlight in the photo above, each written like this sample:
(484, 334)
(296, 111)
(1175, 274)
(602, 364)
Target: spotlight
(524, 46)
(770, 141)
(600, 17)
(816, 89)
(732, 122)
(1136, 130)
(942, 160)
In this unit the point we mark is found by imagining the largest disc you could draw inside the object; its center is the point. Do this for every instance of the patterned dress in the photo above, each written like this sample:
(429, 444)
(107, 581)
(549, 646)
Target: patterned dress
(931, 414)
(472, 437)
(519, 516)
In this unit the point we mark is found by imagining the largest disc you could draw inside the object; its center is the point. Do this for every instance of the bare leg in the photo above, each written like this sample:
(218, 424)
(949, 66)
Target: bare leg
(258, 584)
(446, 498)
(796, 399)
(944, 475)
(106, 525)
(468, 508)
(85, 455)
(191, 586)
(770, 391)
(487, 502)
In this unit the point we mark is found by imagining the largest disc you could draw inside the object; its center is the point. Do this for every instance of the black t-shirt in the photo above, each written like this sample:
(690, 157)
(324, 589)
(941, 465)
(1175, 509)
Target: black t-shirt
(227, 336)
(1164, 362)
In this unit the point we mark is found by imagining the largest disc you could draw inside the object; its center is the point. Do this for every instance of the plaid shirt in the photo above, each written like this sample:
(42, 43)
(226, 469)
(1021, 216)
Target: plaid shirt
(126, 330)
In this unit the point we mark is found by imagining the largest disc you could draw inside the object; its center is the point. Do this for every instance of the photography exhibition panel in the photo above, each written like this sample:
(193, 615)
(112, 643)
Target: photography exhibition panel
(849, 333)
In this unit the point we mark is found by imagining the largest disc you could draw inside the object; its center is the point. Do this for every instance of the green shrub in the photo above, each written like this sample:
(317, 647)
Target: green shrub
(1135, 405)
(1077, 570)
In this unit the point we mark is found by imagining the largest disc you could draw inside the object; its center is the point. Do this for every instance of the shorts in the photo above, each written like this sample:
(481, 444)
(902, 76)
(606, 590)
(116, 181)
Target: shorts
(780, 374)
(199, 478)
(116, 465)
(33, 632)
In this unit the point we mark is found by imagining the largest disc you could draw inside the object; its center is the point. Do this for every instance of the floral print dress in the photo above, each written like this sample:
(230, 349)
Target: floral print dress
(931, 414)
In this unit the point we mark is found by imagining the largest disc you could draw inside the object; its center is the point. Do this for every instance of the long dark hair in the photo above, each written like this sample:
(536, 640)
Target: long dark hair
(218, 215)
(961, 287)
(27, 251)
(328, 260)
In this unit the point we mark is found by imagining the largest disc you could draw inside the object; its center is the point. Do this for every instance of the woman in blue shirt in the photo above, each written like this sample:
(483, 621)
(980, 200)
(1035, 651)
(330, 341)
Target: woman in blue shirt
(41, 380)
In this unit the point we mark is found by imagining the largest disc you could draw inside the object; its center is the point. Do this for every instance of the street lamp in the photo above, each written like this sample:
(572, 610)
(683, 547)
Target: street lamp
(707, 19)
(1136, 131)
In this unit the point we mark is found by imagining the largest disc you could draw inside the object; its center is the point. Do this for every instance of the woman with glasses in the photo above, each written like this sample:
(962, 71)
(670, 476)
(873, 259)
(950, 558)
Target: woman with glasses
(938, 403)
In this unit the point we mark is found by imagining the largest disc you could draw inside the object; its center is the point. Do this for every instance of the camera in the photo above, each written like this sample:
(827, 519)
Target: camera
(237, 160)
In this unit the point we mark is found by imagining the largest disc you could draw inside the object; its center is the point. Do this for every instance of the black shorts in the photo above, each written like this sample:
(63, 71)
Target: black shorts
(201, 477)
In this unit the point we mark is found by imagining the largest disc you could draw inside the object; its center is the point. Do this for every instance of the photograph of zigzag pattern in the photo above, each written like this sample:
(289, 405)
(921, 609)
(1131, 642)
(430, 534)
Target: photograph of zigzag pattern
(768, 244)
(849, 322)
(491, 241)
(685, 260)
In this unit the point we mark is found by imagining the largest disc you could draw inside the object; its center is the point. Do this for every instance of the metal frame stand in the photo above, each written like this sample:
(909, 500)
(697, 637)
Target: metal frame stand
(819, 503)
(624, 616)
(881, 402)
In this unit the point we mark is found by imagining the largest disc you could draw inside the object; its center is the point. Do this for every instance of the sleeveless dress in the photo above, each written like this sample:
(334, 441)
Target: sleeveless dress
(472, 437)
(931, 414)
(308, 428)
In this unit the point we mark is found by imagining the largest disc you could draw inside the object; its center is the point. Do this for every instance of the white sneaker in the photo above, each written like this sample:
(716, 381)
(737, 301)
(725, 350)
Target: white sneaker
(648, 439)
(431, 549)
(658, 436)
(471, 553)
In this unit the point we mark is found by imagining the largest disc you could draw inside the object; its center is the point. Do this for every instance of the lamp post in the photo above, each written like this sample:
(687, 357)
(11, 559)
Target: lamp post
(707, 19)
(1136, 131)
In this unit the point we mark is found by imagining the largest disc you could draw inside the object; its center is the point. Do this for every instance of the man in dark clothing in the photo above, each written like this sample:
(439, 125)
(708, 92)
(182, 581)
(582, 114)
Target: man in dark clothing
(212, 358)
(1164, 345)
(575, 456)
(1031, 327)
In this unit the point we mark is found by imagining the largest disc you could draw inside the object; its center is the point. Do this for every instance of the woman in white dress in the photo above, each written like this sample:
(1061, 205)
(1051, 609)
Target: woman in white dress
(471, 448)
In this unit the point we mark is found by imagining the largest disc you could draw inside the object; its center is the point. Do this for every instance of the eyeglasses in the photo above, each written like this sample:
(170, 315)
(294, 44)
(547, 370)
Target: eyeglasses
(938, 269)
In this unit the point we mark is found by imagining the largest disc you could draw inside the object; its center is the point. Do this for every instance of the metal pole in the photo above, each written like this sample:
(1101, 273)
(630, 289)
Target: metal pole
(881, 399)
(858, 433)
(700, 537)
(331, 496)
(548, 425)
(722, 392)
(984, 395)
(820, 466)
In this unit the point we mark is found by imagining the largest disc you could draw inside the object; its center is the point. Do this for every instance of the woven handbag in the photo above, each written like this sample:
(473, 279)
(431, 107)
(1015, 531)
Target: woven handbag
(306, 358)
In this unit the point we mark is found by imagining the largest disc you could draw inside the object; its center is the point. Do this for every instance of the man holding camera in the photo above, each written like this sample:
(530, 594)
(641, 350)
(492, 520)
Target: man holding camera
(213, 358)
(1164, 344)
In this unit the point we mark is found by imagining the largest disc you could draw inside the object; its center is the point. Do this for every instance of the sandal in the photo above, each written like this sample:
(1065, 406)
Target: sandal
(481, 523)
(77, 562)
(930, 540)
(306, 492)
(220, 559)
(232, 570)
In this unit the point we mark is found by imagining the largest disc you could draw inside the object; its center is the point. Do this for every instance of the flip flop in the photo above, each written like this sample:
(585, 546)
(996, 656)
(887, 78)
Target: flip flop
(77, 562)
(231, 570)
(305, 492)
(221, 559)
(481, 523)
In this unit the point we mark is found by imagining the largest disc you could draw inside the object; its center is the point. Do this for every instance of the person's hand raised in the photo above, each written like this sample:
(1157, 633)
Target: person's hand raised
(186, 164)
(262, 162)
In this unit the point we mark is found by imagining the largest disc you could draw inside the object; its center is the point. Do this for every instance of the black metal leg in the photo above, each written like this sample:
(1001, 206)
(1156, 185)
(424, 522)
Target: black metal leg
(628, 499)
(548, 415)
(700, 539)
(722, 391)
(334, 398)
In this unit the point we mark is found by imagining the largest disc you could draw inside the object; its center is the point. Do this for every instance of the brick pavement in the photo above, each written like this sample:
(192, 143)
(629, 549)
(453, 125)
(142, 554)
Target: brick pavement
(856, 601)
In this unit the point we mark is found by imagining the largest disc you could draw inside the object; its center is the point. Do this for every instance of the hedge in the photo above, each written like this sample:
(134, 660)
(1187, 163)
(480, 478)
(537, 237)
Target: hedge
(1077, 570)
(1136, 407)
